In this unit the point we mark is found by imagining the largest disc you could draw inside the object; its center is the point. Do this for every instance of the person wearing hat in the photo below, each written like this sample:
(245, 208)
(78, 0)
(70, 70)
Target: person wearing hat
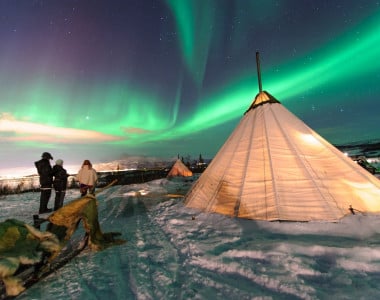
(46, 180)
(59, 183)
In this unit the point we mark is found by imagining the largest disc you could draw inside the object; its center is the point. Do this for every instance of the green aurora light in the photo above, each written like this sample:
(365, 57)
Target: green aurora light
(139, 114)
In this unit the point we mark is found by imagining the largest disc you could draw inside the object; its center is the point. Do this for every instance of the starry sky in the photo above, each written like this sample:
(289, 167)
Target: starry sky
(102, 80)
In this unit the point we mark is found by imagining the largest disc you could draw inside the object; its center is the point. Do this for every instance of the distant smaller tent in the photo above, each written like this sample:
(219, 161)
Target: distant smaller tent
(179, 169)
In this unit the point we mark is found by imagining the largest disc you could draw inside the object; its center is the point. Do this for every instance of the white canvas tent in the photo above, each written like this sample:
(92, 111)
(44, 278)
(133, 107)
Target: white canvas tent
(274, 167)
(179, 169)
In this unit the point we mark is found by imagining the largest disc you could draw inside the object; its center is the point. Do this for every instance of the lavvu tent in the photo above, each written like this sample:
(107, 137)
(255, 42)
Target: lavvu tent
(274, 167)
(179, 169)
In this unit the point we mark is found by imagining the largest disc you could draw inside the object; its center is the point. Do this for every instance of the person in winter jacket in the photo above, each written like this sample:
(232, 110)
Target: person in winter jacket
(87, 178)
(44, 169)
(59, 183)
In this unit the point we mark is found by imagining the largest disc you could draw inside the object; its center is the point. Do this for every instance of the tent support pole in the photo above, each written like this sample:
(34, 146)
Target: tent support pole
(258, 71)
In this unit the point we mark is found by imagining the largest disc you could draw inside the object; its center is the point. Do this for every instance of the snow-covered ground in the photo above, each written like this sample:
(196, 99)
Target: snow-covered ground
(177, 253)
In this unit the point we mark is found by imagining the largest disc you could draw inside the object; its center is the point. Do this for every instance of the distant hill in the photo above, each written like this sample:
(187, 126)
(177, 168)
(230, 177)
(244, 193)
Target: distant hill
(366, 148)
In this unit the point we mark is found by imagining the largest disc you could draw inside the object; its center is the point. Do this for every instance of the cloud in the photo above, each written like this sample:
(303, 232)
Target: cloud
(135, 130)
(14, 130)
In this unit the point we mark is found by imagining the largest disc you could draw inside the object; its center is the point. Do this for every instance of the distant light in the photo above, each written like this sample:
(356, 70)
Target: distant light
(143, 192)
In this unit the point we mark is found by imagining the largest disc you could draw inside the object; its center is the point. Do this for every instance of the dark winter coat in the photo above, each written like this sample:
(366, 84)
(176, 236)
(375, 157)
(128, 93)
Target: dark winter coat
(45, 171)
(60, 178)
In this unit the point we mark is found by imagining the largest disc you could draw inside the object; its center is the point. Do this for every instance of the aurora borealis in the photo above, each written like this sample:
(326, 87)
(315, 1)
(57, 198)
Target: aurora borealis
(102, 79)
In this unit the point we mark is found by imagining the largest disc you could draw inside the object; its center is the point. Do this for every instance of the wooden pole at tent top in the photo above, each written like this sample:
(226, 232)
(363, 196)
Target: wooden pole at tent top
(258, 71)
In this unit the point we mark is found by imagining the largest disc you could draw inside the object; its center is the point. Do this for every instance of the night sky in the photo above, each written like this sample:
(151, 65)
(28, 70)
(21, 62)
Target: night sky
(102, 80)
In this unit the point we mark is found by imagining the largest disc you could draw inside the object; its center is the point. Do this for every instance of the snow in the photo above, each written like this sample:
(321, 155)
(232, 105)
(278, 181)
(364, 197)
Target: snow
(174, 252)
